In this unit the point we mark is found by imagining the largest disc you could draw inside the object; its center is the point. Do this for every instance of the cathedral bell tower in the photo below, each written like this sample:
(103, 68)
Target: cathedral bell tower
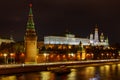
(30, 40)
(96, 36)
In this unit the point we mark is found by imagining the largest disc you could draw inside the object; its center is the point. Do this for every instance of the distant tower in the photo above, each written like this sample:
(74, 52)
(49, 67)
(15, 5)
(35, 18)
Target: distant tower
(107, 41)
(96, 38)
(30, 40)
(83, 53)
(101, 37)
(91, 38)
(79, 51)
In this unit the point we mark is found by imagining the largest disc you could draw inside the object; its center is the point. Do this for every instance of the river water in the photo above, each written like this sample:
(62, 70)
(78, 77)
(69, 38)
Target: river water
(91, 72)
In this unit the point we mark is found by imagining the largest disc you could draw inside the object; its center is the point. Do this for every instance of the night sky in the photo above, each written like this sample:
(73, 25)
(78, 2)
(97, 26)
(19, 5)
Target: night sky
(54, 17)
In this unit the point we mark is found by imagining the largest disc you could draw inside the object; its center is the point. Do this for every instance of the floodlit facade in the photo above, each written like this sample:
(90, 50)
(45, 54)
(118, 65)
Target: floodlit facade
(6, 40)
(97, 40)
(65, 40)
(70, 39)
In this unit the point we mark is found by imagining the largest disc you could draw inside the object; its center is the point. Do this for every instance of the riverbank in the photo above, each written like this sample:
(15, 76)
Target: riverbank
(22, 68)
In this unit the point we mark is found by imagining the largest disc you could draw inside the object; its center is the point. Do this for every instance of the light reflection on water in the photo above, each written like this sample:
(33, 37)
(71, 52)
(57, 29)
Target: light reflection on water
(8, 78)
(72, 75)
(47, 76)
(100, 72)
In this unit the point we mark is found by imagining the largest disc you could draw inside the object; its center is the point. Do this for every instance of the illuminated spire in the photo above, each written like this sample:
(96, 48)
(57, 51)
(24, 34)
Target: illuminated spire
(30, 23)
(96, 39)
(107, 41)
(91, 38)
(102, 37)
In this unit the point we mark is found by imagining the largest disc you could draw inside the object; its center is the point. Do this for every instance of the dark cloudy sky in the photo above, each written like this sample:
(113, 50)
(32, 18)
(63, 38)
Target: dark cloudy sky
(53, 17)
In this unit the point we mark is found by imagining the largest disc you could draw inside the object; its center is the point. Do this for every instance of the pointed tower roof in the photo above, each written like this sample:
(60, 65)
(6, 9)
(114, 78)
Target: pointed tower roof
(30, 23)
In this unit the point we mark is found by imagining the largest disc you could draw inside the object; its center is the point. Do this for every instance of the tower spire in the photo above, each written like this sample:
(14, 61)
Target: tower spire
(30, 23)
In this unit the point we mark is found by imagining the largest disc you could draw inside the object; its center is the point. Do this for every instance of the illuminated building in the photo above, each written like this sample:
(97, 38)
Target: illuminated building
(6, 40)
(98, 40)
(70, 39)
(30, 40)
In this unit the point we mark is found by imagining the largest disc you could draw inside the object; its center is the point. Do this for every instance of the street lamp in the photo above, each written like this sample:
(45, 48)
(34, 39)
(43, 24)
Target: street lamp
(45, 55)
(5, 58)
(12, 58)
(36, 59)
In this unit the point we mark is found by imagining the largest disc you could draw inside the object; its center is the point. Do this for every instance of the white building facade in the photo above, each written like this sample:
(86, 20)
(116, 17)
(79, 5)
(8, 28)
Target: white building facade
(4, 40)
(70, 39)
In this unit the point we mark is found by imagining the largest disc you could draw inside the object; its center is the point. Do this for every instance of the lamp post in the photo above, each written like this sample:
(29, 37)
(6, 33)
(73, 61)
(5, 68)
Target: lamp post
(5, 58)
(12, 58)
(45, 55)
(36, 59)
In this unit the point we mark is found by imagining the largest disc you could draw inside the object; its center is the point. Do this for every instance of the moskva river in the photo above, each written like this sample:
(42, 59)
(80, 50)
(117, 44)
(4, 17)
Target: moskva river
(89, 72)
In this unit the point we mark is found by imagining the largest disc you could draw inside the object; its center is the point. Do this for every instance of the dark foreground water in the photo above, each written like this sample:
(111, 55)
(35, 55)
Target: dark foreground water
(91, 72)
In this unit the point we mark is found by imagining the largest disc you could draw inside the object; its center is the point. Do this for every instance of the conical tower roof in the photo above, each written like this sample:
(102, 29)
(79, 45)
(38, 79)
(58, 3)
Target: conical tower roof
(30, 23)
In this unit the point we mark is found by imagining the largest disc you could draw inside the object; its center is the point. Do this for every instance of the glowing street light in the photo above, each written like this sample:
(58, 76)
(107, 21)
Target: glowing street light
(12, 58)
(5, 58)
(45, 55)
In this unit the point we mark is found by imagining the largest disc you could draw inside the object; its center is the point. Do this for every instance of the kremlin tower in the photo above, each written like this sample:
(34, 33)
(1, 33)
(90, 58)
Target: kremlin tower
(30, 39)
